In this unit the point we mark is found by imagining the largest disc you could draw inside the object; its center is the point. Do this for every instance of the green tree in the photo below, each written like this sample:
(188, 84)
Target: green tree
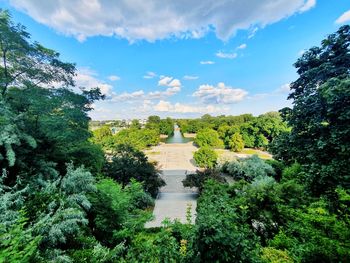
(320, 115)
(114, 213)
(208, 137)
(25, 63)
(236, 142)
(128, 163)
(205, 157)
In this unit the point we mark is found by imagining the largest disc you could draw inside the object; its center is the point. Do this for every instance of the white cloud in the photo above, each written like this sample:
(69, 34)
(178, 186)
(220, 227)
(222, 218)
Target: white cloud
(163, 94)
(221, 54)
(126, 96)
(113, 78)
(242, 46)
(166, 106)
(152, 20)
(219, 94)
(308, 5)
(345, 17)
(208, 62)
(87, 78)
(188, 77)
(164, 81)
(175, 83)
(169, 82)
(149, 75)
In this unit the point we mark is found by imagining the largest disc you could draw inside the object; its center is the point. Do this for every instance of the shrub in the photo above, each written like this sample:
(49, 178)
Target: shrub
(205, 157)
(249, 168)
(198, 178)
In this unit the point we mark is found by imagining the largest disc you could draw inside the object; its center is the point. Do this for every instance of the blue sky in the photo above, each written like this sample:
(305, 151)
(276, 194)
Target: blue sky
(182, 58)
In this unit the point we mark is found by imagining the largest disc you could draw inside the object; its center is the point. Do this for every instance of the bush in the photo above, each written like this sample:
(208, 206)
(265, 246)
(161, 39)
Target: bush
(249, 168)
(198, 178)
(205, 157)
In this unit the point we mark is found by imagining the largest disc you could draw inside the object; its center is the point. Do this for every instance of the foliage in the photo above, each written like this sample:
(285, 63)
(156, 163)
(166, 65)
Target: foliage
(209, 138)
(17, 244)
(315, 235)
(272, 255)
(248, 168)
(256, 132)
(128, 163)
(220, 234)
(166, 126)
(236, 142)
(320, 115)
(205, 157)
(26, 63)
(199, 178)
(139, 139)
(115, 212)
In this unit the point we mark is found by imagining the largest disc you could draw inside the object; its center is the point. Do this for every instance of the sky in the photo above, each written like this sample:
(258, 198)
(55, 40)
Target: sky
(182, 58)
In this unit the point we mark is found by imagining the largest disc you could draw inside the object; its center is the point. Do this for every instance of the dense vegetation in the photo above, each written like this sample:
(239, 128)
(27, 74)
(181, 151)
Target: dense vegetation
(235, 132)
(134, 134)
(63, 200)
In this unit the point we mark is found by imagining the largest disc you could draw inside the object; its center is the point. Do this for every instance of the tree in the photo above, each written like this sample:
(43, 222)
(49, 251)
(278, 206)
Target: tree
(135, 124)
(205, 157)
(320, 115)
(221, 234)
(166, 126)
(208, 137)
(24, 63)
(127, 163)
(236, 143)
(114, 211)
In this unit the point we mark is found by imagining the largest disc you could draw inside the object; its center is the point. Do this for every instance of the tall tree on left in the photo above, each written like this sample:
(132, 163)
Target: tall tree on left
(26, 63)
(42, 120)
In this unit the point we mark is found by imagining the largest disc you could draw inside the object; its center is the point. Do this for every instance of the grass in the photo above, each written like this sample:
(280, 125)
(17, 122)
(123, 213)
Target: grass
(153, 153)
(261, 154)
(248, 151)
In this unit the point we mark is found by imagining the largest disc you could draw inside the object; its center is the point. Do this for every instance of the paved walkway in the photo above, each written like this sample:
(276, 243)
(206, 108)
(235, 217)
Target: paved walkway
(173, 199)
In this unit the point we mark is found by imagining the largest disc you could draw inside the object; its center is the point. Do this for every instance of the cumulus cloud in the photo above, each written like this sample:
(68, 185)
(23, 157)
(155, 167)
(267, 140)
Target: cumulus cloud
(113, 78)
(188, 77)
(149, 75)
(220, 94)
(345, 17)
(163, 94)
(208, 62)
(242, 46)
(221, 54)
(87, 78)
(166, 106)
(164, 81)
(152, 20)
(169, 82)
